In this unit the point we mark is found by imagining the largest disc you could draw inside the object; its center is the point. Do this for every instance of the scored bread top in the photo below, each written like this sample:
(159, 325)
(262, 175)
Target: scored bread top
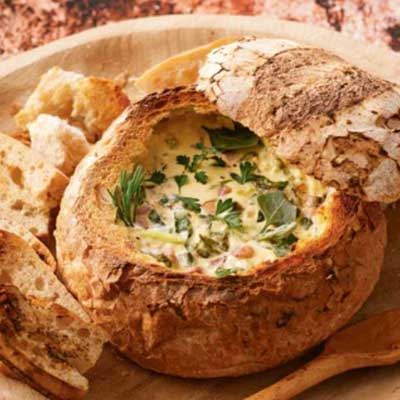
(329, 118)
(43, 327)
(30, 187)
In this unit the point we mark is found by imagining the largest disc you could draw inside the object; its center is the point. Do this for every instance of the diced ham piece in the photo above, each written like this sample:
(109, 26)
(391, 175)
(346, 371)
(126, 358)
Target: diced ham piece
(210, 206)
(223, 190)
(244, 252)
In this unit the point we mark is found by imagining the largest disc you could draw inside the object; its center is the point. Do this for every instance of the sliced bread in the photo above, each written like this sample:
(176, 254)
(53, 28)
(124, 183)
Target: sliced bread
(12, 389)
(60, 143)
(97, 103)
(90, 103)
(54, 95)
(30, 187)
(46, 338)
(40, 248)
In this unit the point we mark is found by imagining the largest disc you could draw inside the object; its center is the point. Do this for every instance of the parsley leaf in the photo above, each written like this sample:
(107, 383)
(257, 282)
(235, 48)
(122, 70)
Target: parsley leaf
(190, 203)
(218, 162)
(157, 177)
(182, 223)
(183, 160)
(225, 139)
(155, 217)
(201, 177)
(246, 173)
(277, 209)
(181, 180)
(164, 200)
(226, 211)
(129, 194)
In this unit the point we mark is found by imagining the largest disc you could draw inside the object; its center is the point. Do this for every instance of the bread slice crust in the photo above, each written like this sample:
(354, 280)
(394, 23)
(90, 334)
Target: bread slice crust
(46, 338)
(194, 325)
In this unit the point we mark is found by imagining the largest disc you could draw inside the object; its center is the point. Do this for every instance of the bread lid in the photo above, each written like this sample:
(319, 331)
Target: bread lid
(334, 121)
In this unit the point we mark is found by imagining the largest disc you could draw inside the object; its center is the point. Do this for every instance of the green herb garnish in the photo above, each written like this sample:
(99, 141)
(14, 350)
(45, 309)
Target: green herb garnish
(225, 139)
(182, 223)
(278, 233)
(222, 272)
(218, 161)
(157, 177)
(305, 222)
(201, 177)
(277, 209)
(207, 153)
(181, 180)
(284, 246)
(165, 260)
(164, 200)
(190, 203)
(183, 160)
(263, 183)
(129, 194)
(246, 173)
(227, 211)
(209, 246)
(196, 161)
(155, 217)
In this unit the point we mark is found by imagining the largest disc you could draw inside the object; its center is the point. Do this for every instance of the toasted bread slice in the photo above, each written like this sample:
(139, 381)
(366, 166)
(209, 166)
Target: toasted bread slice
(30, 187)
(46, 338)
(40, 248)
(60, 143)
(87, 102)
(12, 389)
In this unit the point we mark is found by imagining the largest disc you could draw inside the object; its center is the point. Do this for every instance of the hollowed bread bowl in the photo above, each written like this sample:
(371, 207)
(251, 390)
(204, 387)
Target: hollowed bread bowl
(204, 319)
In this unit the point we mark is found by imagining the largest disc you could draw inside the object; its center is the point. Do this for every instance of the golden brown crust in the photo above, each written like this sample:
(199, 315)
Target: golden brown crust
(22, 136)
(38, 379)
(192, 324)
(320, 113)
(97, 103)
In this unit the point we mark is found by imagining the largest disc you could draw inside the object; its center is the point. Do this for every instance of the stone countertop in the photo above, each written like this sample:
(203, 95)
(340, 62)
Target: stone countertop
(25, 24)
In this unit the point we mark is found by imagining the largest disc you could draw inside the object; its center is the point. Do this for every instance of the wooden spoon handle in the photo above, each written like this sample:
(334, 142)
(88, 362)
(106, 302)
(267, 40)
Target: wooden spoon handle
(316, 371)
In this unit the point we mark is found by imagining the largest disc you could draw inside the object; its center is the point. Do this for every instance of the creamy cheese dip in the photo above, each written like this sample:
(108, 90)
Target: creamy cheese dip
(221, 212)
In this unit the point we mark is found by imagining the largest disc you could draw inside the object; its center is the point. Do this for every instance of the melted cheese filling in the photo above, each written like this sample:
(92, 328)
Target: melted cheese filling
(175, 235)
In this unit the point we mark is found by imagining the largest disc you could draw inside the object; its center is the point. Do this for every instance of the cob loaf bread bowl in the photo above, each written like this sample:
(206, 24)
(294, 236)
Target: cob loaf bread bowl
(245, 244)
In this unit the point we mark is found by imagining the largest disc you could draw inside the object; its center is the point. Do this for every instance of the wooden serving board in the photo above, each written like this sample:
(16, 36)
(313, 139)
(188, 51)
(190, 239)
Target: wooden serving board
(131, 47)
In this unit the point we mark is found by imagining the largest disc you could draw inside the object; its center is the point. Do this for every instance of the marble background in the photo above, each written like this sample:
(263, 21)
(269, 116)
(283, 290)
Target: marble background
(25, 24)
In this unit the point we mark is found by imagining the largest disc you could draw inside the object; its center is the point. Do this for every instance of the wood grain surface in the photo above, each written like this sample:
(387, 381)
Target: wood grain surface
(131, 47)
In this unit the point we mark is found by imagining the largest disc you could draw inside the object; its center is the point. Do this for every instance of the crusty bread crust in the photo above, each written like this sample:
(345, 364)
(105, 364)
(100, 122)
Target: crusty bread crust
(30, 187)
(33, 376)
(40, 248)
(195, 325)
(333, 120)
(14, 390)
(46, 338)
